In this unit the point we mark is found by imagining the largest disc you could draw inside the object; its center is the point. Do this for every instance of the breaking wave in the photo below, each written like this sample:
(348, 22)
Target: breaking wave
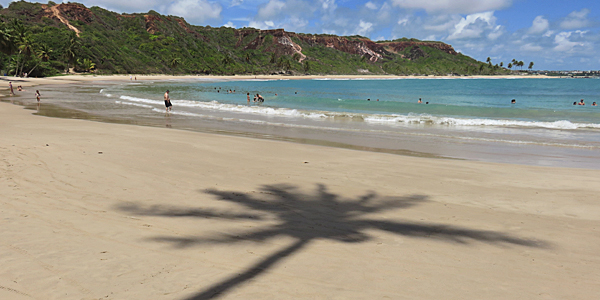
(408, 119)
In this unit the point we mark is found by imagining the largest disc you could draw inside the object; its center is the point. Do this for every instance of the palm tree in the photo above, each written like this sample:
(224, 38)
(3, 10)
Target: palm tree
(521, 64)
(510, 65)
(306, 66)
(26, 50)
(501, 64)
(7, 40)
(42, 54)
(16, 36)
(173, 63)
(70, 51)
(530, 65)
(87, 64)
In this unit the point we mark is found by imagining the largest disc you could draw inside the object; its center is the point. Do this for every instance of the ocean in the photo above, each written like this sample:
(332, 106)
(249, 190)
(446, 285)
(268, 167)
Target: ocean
(468, 118)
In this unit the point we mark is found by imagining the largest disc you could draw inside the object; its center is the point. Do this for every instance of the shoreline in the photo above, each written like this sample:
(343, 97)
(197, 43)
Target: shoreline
(66, 79)
(420, 148)
(101, 210)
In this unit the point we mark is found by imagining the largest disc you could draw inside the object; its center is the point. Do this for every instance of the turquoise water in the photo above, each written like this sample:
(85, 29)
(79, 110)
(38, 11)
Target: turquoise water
(463, 102)
(465, 118)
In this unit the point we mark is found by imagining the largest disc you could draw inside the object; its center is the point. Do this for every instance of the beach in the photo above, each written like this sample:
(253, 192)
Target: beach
(94, 210)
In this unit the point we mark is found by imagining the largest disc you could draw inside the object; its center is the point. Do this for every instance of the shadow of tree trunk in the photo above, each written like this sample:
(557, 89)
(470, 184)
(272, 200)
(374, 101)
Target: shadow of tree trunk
(225, 286)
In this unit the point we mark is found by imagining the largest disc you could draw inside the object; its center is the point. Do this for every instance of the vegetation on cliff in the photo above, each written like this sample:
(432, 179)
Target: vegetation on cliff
(48, 39)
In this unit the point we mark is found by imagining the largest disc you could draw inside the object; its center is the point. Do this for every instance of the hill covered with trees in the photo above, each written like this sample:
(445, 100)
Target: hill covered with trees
(49, 39)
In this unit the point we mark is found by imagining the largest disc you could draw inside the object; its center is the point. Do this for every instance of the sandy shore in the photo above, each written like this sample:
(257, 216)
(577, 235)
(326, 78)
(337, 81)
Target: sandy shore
(108, 211)
(86, 78)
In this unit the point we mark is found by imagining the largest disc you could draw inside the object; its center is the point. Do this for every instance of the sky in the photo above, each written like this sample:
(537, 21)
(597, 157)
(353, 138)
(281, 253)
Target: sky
(554, 34)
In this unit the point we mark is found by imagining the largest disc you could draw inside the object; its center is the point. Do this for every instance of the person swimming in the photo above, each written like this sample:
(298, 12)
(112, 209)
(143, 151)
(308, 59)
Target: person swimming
(513, 101)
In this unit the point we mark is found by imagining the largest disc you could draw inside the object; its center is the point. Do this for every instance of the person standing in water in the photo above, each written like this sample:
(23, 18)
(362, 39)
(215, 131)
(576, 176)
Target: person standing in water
(11, 88)
(248, 96)
(37, 95)
(168, 104)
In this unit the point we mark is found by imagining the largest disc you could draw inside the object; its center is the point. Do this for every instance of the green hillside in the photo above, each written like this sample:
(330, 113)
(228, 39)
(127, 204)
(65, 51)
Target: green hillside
(48, 39)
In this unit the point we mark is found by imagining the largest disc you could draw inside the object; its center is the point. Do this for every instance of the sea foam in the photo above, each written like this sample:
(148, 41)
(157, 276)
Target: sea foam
(369, 118)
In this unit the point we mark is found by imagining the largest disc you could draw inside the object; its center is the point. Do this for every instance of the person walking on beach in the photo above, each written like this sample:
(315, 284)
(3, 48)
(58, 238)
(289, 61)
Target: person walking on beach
(11, 88)
(168, 104)
(37, 95)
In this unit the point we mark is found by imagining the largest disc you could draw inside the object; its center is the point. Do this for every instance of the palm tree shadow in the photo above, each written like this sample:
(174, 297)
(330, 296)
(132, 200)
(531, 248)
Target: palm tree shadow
(310, 217)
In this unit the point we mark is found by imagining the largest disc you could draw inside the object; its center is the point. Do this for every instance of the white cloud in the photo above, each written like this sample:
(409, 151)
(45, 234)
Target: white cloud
(228, 24)
(564, 43)
(328, 5)
(236, 3)
(442, 23)
(496, 33)
(364, 28)
(531, 48)
(453, 6)
(264, 25)
(540, 25)
(403, 21)
(576, 19)
(195, 10)
(472, 26)
(371, 5)
(385, 13)
(272, 9)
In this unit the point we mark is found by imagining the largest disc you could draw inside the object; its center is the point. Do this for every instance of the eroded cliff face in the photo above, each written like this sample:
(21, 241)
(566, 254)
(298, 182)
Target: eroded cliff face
(152, 23)
(282, 43)
(68, 11)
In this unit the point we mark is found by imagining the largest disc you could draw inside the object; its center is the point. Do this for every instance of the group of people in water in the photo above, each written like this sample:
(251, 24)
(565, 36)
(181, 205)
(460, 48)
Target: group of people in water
(581, 102)
(257, 98)
(514, 101)
(260, 99)
(20, 89)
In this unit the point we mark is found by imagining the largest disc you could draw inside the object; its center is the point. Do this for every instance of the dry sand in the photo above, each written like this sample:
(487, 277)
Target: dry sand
(108, 211)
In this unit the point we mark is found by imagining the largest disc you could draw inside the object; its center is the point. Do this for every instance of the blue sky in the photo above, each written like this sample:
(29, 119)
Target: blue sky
(554, 34)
